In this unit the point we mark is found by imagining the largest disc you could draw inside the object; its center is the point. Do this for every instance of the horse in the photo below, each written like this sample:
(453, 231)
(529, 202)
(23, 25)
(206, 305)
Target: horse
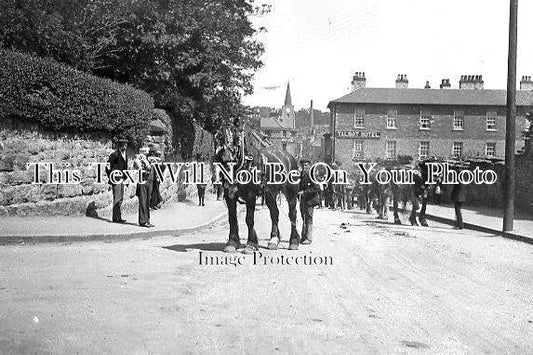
(250, 152)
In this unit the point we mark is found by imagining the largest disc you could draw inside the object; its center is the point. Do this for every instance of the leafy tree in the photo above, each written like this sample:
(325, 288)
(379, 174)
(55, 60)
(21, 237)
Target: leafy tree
(195, 57)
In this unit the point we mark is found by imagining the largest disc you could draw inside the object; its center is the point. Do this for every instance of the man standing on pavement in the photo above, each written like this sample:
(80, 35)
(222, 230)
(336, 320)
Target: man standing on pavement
(118, 160)
(144, 187)
(309, 198)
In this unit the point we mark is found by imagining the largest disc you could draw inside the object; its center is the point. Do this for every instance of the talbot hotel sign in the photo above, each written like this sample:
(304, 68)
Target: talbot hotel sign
(358, 135)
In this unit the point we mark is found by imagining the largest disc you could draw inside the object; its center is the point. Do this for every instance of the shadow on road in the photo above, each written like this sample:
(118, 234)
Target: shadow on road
(183, 248)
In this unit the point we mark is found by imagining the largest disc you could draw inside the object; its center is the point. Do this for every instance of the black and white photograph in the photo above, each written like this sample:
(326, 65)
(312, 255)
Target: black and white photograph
(266, 177)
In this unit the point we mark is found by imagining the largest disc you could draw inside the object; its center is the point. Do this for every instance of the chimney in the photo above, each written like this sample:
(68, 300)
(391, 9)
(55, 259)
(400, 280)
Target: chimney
(445, 84)
(470, 82)
(526, 83)
(402, 82)
(358, 81)
(427, 85)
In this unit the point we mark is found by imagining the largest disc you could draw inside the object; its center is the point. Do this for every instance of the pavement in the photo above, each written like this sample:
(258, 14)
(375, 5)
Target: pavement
(484, 219)
(181, 217)
(187, 216)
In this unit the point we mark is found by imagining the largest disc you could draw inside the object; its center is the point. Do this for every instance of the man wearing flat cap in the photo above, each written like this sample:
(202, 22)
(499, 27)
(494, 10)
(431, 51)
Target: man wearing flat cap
(309, 198)
(118, 160)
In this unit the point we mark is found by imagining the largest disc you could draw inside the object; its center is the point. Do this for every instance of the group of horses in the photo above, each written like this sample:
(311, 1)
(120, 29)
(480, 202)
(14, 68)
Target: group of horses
(248, 151)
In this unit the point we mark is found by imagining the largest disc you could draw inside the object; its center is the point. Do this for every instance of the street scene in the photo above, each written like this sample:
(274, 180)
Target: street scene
(257, 177)
(389, 289)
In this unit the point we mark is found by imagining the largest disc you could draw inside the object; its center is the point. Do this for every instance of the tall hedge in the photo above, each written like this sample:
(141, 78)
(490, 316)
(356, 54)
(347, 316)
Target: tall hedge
(60, 98)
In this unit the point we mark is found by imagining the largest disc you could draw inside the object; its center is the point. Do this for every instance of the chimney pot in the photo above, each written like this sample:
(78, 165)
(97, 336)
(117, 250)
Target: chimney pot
(402, 82)
(471, 82)
(358, 80)
(526, 83)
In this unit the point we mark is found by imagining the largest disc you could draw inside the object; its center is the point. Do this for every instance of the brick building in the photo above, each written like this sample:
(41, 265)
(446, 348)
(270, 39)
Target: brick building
(372, 123)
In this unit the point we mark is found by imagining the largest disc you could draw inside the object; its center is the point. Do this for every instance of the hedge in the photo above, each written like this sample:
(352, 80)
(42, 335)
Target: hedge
(60, 98)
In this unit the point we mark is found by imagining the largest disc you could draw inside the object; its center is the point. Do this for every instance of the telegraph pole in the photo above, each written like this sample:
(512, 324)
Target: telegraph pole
(510, 134)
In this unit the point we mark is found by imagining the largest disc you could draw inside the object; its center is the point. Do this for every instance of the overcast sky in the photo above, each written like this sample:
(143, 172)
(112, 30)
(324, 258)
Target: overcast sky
(319, 44)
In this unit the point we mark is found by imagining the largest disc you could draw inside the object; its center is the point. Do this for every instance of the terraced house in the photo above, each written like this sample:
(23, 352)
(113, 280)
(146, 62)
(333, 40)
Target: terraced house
(372, 123)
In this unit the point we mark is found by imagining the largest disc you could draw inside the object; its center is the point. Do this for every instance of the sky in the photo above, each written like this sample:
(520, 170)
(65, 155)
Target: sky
(318, 45)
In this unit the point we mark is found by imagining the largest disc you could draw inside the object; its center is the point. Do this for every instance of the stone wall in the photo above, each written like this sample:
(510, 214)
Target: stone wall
(18, 196)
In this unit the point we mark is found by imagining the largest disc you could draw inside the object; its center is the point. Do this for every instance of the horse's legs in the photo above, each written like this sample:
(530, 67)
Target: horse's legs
(395, 198)
(368, 203)
(233, 242)
(252, 243)
(412, 217)
(295, 237)
(274, 217)
(422, 216)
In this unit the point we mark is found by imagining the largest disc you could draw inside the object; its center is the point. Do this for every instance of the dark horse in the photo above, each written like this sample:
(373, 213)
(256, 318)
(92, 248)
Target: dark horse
(249, 152)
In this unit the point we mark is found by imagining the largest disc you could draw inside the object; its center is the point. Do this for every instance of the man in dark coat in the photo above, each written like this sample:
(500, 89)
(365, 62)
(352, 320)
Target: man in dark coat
(201, 194)
(309, 198)
(156, 199)
(144, 190)
(118, 160)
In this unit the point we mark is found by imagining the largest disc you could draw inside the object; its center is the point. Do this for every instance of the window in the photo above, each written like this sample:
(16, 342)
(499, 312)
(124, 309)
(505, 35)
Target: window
(423, 149)
(490, 149)
(358, 148)
(457, 150)
(425, 118)
(359, 118)
(390, 150)
(391, 119)
(491, 121)
(458, 120)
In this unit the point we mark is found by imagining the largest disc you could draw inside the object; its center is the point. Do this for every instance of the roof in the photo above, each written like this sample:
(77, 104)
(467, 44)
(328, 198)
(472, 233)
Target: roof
(156, 126)
(288, 100)
(274, 124)
(458, 97)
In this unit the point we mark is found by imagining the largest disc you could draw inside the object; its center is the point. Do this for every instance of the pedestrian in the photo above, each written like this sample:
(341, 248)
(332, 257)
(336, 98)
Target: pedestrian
(201, 194)
(144, 186)
(438, 191)
(309, 198)
(218, 189)
(340, 193)
(156, 199)
(459, 198)
(118, 161)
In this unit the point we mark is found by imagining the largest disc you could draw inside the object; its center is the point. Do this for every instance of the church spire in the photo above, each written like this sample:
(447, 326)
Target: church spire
(288, 100)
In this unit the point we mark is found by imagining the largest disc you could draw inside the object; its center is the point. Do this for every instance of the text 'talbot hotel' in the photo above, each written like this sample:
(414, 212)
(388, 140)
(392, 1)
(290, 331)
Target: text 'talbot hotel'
(372, 123)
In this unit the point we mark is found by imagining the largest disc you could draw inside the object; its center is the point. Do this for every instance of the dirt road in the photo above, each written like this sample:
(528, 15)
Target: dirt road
(385, 289)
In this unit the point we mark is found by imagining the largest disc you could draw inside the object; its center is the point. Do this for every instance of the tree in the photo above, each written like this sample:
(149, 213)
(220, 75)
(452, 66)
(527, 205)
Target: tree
(195, 57)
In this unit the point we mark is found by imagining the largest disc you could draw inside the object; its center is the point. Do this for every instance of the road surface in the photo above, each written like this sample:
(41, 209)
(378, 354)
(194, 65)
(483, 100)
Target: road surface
(370, 287)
